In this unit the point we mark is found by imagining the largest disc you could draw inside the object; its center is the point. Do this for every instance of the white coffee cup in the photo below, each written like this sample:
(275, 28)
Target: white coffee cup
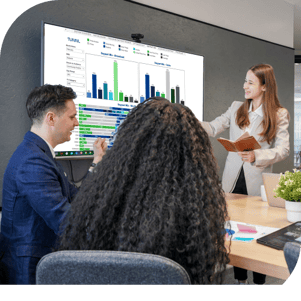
(263, 194)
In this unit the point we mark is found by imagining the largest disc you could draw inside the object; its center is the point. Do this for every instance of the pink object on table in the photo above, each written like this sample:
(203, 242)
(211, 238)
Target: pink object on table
(247, 229)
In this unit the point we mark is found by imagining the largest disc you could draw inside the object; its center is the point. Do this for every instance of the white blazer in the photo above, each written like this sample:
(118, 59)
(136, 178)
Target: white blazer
(265, 157)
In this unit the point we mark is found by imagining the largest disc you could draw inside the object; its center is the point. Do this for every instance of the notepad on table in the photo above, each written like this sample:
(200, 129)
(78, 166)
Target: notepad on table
(246, 232)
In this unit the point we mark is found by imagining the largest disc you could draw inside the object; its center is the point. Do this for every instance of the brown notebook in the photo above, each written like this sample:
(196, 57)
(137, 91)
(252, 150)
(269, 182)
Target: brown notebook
(243, 143)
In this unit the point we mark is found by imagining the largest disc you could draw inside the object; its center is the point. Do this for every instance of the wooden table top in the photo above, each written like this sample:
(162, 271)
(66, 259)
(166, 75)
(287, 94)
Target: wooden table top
(251, 255)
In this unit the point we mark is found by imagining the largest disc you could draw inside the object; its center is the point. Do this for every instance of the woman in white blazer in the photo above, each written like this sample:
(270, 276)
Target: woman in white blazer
(264, 118)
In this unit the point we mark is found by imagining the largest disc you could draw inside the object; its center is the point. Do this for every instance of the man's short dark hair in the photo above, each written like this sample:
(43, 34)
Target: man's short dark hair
(45, 97)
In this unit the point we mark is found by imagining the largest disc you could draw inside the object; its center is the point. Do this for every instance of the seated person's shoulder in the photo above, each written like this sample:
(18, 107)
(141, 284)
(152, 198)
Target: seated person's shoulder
(29, 156)
(28, 150)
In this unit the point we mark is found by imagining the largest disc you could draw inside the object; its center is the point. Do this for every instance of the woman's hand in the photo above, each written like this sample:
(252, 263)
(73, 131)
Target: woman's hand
(247, 156)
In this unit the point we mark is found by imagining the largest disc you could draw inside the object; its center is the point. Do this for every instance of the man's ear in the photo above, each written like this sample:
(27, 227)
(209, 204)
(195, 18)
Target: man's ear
(50, 118)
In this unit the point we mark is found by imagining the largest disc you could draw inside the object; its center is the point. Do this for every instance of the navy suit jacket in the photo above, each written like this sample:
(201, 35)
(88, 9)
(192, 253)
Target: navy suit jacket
(36, 199)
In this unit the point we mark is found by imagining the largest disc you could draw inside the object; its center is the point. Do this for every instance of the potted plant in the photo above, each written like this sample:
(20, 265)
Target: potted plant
(289, 188)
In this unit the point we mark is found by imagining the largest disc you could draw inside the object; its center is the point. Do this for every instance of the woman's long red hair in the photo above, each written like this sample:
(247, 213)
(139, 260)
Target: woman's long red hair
(270, 103)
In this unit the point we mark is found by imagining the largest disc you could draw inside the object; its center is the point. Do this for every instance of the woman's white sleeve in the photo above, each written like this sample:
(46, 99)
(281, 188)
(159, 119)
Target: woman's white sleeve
(219, 124)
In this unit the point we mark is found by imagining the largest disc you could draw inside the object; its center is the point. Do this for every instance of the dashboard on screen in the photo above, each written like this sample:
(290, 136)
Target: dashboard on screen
(110, 76)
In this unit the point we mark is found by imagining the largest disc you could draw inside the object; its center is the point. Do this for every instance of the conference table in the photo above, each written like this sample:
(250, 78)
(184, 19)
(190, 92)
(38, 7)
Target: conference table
(251, 255)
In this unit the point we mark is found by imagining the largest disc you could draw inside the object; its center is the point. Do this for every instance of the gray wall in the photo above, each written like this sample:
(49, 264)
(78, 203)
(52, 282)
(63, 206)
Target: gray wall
(228, 55)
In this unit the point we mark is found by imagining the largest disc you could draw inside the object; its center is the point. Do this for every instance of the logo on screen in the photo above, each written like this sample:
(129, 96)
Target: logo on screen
(73, 40)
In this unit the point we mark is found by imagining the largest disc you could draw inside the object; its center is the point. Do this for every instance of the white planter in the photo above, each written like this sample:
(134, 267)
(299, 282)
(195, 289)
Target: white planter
(293, 210)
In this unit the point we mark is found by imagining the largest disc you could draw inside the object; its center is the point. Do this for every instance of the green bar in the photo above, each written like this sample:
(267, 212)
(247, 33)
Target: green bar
(115, 80)
(81, 105)
(173, 95)
(88, 126)
(163, 95)
(84, 115)
(126, 99)
(120, 96)
(85, 132)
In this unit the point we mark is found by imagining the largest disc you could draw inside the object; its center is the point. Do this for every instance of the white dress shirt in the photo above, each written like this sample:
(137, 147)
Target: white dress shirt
(253, 116)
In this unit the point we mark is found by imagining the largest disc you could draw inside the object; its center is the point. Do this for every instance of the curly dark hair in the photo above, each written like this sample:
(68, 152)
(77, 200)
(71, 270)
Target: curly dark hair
(155, 191)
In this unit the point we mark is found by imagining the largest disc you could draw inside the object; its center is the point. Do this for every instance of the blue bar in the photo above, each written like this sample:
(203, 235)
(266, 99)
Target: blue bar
(119, 108)
(93, 136)
(99, 93)
(107, 112)
(141, 99)
(92, 109)
(112, 114)
(88, 94)
(110, 95)
(146, 86)
(94, 90)
(157, 93)
(153, 91)
(105, 91)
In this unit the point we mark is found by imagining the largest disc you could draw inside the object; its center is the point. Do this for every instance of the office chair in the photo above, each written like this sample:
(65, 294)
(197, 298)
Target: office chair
(291, 253)
(108, 267)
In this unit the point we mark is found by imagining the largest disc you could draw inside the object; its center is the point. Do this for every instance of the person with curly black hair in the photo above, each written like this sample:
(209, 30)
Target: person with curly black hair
(155, 191)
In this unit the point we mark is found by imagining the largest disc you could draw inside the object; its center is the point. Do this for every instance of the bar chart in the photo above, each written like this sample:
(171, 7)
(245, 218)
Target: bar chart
(161, 81)
(110, 81)
(110, 78)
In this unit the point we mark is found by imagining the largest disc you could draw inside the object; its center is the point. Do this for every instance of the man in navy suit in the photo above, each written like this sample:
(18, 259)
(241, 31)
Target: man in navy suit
(36, 191)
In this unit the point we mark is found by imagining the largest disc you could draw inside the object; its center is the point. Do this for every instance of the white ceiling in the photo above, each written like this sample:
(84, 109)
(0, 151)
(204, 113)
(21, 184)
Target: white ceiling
(297, 24)
(269, 20)
(294, 2)
(265, 19)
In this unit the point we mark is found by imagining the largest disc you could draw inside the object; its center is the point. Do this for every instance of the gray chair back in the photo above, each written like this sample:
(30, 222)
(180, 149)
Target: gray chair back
(108, 267)
(291, 253)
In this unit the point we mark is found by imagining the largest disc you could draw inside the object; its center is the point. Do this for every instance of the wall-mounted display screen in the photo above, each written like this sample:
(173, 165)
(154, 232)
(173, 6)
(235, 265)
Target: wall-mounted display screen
(111, 76)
